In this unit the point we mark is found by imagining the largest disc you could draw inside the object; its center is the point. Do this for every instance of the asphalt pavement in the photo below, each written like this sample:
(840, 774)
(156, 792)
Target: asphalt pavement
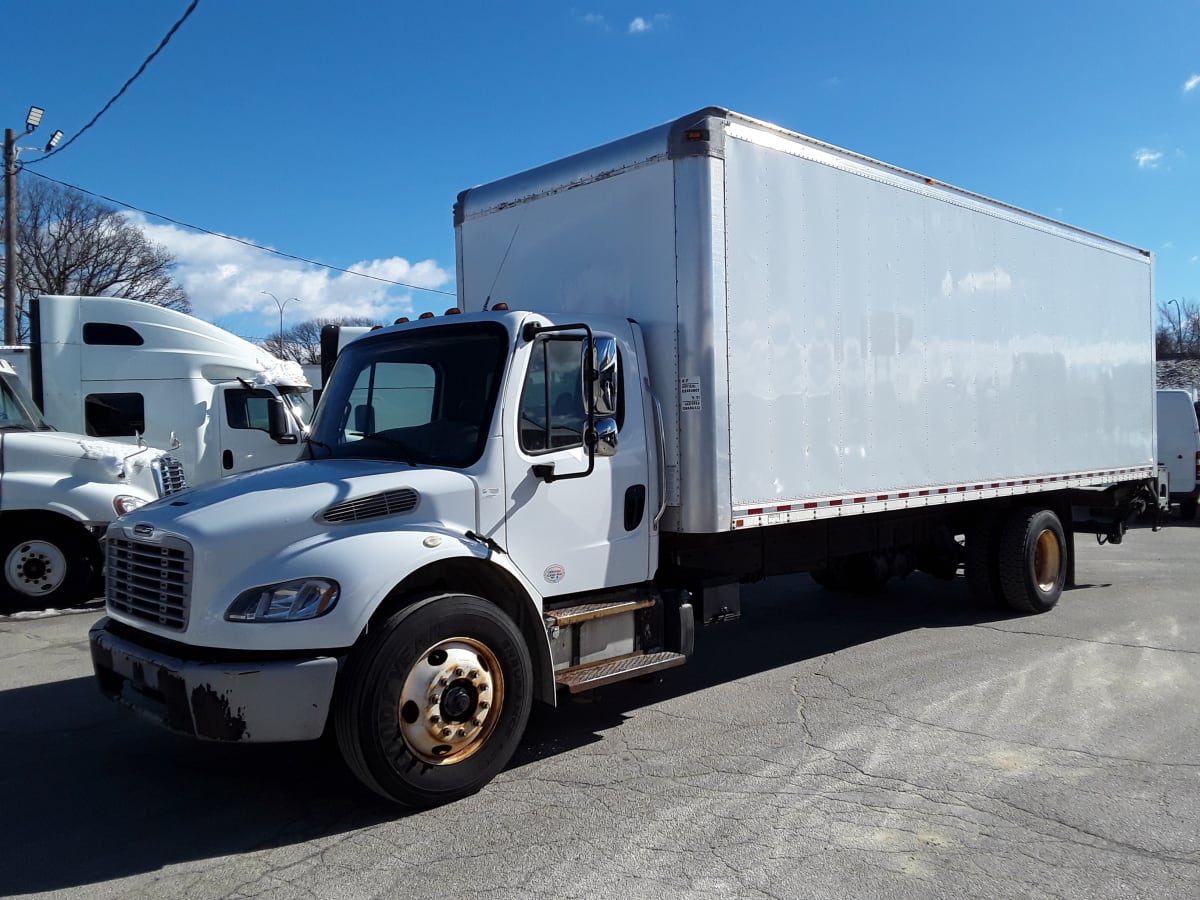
(906, 744)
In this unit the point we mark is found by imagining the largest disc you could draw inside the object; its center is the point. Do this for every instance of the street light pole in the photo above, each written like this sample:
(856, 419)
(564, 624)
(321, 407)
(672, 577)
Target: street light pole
(281, 306)
(1178, 326)
(10, 236)
(11, 211)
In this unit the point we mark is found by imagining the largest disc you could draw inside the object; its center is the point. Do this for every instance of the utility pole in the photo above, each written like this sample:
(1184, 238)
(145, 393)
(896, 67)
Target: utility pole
(11, 211)
(10, 236)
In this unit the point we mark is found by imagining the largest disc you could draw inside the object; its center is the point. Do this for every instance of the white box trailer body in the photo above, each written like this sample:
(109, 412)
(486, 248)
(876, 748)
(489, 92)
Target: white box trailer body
(732, 352)
(828, 334)
(112, 367)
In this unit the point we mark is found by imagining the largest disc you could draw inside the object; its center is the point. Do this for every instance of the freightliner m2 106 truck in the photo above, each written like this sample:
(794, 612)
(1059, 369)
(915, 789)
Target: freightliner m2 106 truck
(732, 351)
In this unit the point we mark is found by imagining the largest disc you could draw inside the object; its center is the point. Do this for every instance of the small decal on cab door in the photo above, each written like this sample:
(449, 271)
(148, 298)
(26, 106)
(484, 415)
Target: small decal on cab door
(554, 573)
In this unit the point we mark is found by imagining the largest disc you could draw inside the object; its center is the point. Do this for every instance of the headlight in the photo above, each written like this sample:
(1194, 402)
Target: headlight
(291, 601)
(124, 503)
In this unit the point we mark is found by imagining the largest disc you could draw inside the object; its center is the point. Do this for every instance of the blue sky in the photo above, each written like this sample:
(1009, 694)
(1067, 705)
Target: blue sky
(343, 132)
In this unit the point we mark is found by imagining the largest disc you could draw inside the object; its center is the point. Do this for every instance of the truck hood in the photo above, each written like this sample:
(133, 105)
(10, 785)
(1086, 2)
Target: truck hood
(78, 456)
(308, 499)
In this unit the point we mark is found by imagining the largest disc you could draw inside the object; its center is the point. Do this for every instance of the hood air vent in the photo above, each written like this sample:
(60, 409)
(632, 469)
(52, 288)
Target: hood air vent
(375, 506)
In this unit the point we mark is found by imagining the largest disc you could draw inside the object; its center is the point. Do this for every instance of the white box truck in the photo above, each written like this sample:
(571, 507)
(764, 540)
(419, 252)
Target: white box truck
(58, 493)
(732, 351)
(1178, 442)
(118, 369)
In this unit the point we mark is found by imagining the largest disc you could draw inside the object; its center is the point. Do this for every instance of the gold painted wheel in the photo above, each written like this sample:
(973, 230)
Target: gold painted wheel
(451, 701)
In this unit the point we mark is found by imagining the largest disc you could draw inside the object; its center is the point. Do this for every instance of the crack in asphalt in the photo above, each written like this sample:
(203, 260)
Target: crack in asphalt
(1080, 640)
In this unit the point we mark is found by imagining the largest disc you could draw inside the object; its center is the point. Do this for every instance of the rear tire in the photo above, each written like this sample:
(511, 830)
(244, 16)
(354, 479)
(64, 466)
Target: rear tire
(1187, 509)
(433, 703)
(1033, 560)
(982, 561)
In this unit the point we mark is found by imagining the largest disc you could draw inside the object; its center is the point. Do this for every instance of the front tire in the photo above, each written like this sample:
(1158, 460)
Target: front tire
(1033, 560)
(45, 565)
(434, 702)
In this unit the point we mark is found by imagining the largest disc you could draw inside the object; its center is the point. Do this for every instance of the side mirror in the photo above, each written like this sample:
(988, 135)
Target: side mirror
(605, 437)
(604, 365)
(278, 426)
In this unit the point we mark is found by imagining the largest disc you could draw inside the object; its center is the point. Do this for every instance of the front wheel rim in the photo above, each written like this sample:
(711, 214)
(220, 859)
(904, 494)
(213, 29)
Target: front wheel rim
(35, 568)
(1047, 560)
(451, 701)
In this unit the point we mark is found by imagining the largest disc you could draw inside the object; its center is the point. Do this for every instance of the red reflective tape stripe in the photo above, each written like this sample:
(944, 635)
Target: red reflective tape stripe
(835, 502)
(811, 505)
(785, 508)
(754, 512)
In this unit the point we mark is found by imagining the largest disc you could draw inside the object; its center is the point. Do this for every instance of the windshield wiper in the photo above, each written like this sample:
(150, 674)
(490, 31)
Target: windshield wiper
(387, 439)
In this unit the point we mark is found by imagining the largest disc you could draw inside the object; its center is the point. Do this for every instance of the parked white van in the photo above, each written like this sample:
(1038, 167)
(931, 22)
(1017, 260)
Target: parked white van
(1179, 448)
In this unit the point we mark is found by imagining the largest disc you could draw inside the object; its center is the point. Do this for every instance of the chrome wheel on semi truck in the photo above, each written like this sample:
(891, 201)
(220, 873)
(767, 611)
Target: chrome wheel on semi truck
(435, 700)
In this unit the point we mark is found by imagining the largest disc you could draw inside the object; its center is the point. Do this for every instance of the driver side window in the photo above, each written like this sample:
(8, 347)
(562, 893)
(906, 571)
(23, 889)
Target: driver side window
(552, 411)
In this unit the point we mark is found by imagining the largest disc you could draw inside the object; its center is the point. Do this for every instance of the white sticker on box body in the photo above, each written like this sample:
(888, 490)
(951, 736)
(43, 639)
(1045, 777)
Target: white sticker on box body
(689, 395)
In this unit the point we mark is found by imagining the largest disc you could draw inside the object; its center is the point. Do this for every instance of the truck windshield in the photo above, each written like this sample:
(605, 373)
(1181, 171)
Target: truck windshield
(421, 396)
(17, 409)
(299, 402)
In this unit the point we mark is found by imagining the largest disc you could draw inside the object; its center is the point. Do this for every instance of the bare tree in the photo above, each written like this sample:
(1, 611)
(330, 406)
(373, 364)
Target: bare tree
(302, 342)
(1178, 330)
(72, 244)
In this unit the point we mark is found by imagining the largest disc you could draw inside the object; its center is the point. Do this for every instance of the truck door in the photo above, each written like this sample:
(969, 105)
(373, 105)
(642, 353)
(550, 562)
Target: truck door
(574, 534)
(244, 417)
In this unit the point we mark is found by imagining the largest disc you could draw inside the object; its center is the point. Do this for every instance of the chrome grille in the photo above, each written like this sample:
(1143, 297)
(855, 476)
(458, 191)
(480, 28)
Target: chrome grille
(168, 475)
(150, 581)
(388, 503)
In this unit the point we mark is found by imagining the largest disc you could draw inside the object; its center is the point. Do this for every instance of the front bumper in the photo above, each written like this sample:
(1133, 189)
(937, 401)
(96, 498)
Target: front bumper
(259, 702)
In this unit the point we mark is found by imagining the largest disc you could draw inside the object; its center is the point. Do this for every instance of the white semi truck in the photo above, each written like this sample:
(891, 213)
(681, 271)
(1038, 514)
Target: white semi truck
(58, 493)
(122, 369)
(732, 351)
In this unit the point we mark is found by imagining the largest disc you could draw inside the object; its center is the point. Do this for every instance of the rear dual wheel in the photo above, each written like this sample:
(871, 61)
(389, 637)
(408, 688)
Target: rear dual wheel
(1019, 559)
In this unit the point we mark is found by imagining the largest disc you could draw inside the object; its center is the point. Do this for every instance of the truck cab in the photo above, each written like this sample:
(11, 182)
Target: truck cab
(499, 455)
(124, 370)
(58, 492)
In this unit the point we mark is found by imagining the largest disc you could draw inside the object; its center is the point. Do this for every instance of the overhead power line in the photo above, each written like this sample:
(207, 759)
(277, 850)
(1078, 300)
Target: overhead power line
(236, 240)
(124, 87)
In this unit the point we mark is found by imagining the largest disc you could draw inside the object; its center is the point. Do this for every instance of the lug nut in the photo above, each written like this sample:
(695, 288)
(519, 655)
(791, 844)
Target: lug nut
(476, 722)
(435, 719)
(483, 704)
(435, 700)
(474, 674)
(458, 673)
(445, 732)
(462, 733)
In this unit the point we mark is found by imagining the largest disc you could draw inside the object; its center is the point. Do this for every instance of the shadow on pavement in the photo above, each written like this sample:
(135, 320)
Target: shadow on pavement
(91, 793)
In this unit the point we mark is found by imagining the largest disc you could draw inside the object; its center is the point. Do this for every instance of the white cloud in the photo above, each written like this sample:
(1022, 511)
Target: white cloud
(225, 279)
(641, 25)
(1191, 84)
(1147, 158)
(595, 20)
